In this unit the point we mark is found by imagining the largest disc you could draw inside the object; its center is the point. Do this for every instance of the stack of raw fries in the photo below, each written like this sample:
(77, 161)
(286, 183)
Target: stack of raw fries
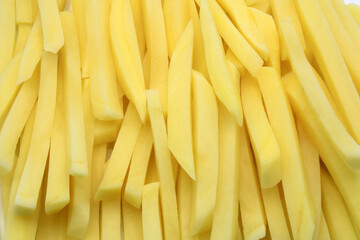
(179, 119)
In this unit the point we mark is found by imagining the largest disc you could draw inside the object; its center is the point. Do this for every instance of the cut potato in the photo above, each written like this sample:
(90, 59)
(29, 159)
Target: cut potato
(111, 219)
(22, 37)
(354, 9)
(106, 131)
(8, 31)
(24, 12)
(137, 13)
(132, 218)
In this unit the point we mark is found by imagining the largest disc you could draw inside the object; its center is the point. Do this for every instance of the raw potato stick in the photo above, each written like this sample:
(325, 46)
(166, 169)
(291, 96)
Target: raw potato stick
(138, 167)
(119, 161)
(106, 131)
(111, 219)
(323, 231)
(127, 55)
(22, 37)
(24, 12)
(179, 122)
(16, 120)
(215, 61)
(30, 184)
(132, 218)
(73, 102)
(206, 153)
(354, 9)
(7, 30)
(137, 13)
(164, 167)
(6, 186)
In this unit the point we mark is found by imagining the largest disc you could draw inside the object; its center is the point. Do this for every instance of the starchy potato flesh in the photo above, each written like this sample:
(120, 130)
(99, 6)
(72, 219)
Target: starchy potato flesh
(24, 11)
(22, 37)
(32, 52)
(216, 63)
(354, 9)
(6, 187)
(206, 153)
(323, 231)
(119, 161)
(106, 131)
(132, 218)
(8, 31)
(179, 102)
(111, 218)
(139, 26)
(262, 5)
(264, 143)
(16, 120)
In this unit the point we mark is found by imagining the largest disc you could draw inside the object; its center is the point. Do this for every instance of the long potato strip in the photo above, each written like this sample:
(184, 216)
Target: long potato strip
(179, 102)
(127, 55)
(157, 48)
(334, 130)
(139, 165)
(119, 161)
(250, 199)
(324, 230)
(164, 167)
(22, 36)
(8, 31)
(331, 63)
(216, 63)
(264, 143)
(32, 52)
(132, 222)
(24, 12)
(206, 153)
(73, 103)
(30, 184)
(354, 9)
(15, 122)
(139, 26)
(225, 221)
(104, 94)
(111, 219)
(106, 131)
(6, 186)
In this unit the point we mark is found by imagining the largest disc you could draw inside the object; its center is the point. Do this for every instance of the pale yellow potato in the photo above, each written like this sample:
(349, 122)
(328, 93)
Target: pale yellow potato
(184, 199)
(6, 187)
(267, 27)
(151, 218)
(236, 42)
(111, 219)
(282, 9)
(164, 167)
(230, 56)
(8, 31)
(347, 180)
(104, 94)
(179, 122)
(16, 120)
(343, 143)
(225, 221)
(335, 211)
(151, 174)
(262, 5)
(206, 153)
(146, 69)
(216, 63)
(51, 25)
(14, 222)
(126, 55)
(79, 8)
(119, 161)
(106, 131)
(32, 52)
(264, 143)
(275, 213)
(139, 26)
(294, 180)
(31, 180)
(138, 166)
(58, 180)
(354, 10)
(331, 63)
(176, 17)
(323, 231)
(156, 45)
(24, 12)
(132, 218)
(22, 37)
(346, 45)
(251, 204)
(8, 86)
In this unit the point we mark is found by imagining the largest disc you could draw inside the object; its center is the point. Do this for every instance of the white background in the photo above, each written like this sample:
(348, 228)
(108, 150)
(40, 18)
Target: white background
(352, 1)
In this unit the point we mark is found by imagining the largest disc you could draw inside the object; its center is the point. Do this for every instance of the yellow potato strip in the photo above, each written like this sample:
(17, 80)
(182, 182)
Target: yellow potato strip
(5, 182)
(58, 181)
(28, 192)
(215, 61)
(104, 94)
(8, 31)
(354, 9)
(179, 125)
(111, 219)
(164, 167)
(106, 131)
(119, 161)
(15, 122)
(206, 153)
(333, 129)
(337, 218)
(331, 63)
(127, 55)
(137, 13)
(264, 143)
(73, 103)
(262, 5)
(251, 204)
(323, 231)
(157, 48)
(294, 181)
(139, 165)
(22, 37)
(244, 21)
(79, 8)
(230, 56)
(176, 16)
(225, 221)
(24, 13)
(151, 218)
(132, 222)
